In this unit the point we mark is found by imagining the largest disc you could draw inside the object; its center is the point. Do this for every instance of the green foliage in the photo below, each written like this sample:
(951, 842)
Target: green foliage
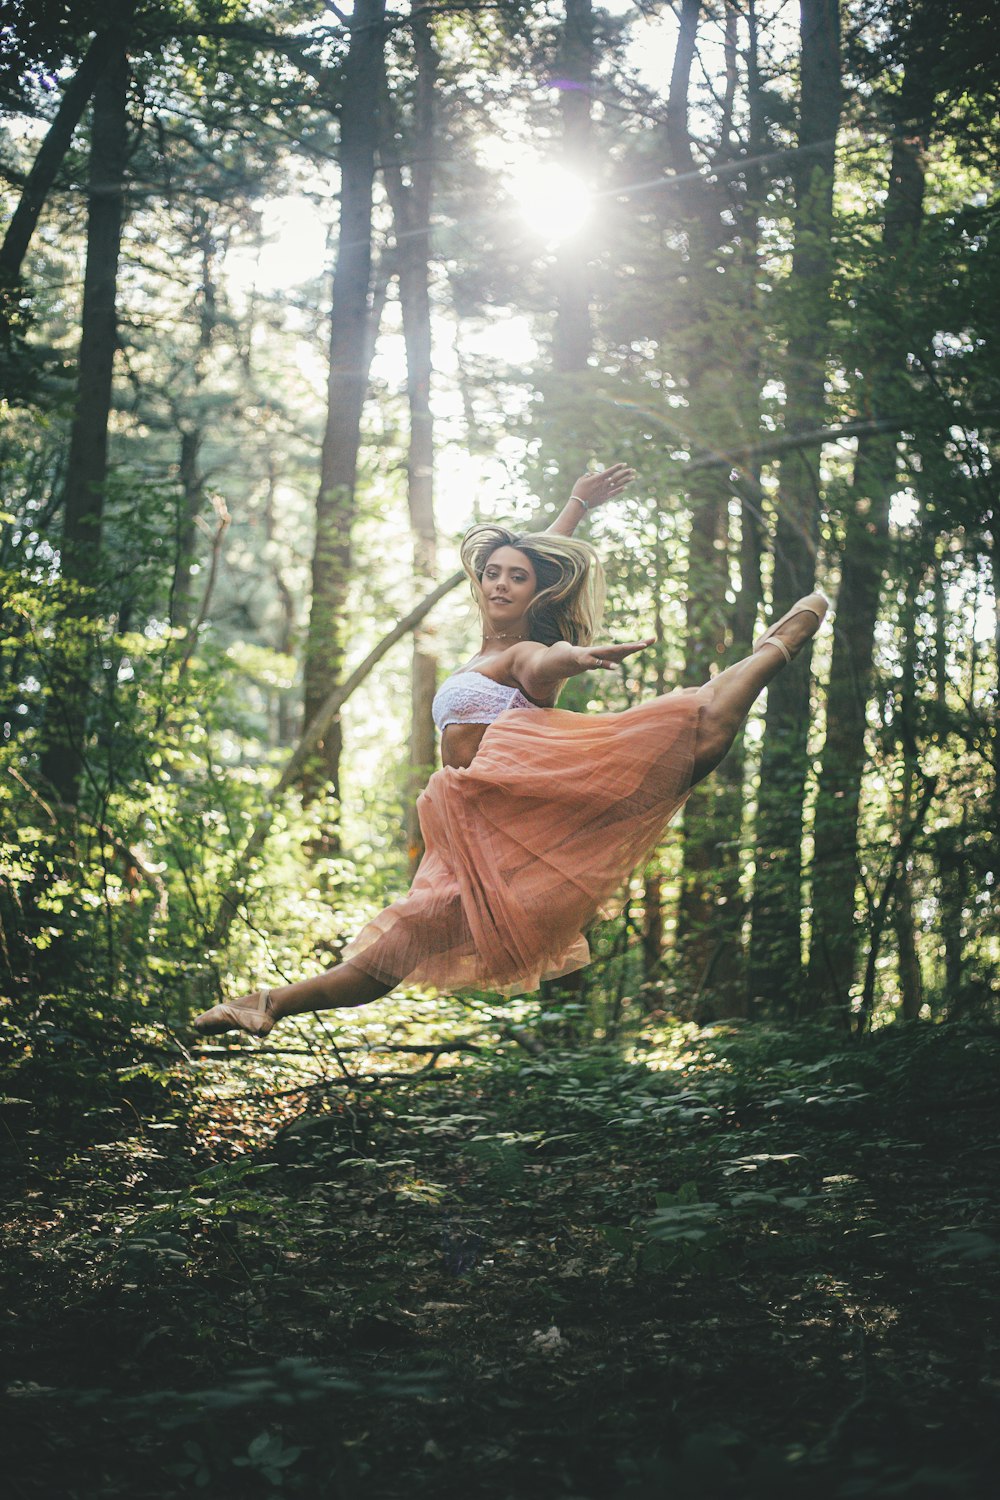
(594, 1252)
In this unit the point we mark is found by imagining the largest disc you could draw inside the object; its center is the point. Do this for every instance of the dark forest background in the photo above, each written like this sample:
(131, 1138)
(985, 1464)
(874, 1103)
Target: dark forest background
(748, 247)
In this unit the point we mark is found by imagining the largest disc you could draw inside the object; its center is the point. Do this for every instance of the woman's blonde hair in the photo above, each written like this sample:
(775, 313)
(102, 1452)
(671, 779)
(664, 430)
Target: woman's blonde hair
(570, 599)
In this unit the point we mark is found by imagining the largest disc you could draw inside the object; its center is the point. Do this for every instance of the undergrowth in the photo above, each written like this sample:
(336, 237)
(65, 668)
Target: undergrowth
(737, 1262)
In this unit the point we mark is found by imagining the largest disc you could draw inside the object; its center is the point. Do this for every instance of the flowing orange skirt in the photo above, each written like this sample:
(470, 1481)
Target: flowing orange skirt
(530, 842)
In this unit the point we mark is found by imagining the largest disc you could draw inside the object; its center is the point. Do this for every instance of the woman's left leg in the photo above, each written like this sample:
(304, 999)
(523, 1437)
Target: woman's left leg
(343, 986)
(257, 1011)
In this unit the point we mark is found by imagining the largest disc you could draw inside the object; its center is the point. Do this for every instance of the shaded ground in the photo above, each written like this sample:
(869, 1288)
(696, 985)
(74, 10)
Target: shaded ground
(769, 1269)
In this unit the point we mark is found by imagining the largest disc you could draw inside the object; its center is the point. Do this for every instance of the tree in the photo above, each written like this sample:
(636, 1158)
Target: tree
(350, 345)
(87, 465)
(411, 209)
(775, 951)
(833, 947)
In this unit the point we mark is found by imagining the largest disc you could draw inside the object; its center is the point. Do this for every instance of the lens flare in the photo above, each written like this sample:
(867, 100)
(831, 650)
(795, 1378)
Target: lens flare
(554, 201)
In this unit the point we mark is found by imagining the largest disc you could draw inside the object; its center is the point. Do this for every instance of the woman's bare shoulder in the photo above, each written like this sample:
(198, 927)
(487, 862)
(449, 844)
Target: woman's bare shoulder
(504, 666)
(511, 666)
(526, 656)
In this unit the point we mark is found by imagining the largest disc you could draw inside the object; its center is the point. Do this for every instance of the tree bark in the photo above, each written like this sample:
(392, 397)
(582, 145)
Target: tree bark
(86, 478)
(411, 210)
(191, 431)
(347, 384)
(573, 338)
(723, 395)
(950, 841)
(911, 984)
(833, 946)
(652, 896)
(775, 952)
(285, 710)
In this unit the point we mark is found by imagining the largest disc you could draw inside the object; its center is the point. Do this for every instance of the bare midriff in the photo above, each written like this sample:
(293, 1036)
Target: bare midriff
(459, 743)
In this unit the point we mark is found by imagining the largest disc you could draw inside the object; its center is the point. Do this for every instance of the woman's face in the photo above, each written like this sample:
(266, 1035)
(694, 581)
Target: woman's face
(509, 584)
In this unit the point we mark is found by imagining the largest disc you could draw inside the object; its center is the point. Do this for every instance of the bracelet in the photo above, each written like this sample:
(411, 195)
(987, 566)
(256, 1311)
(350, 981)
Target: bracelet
(581, 500)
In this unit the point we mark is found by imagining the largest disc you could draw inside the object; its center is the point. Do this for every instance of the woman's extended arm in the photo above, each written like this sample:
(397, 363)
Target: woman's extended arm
(542, 669)
(590, 491)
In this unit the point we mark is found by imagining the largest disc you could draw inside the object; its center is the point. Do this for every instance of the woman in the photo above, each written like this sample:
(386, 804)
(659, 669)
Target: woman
(537, 815)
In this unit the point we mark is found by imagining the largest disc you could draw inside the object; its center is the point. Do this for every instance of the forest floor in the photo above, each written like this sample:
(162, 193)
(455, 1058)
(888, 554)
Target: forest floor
(737, 1263)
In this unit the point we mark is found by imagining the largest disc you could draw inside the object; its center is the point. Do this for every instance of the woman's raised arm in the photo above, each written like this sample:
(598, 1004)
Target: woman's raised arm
(590, 491)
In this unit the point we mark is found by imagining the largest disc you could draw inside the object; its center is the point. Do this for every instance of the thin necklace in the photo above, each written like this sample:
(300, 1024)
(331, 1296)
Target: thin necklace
(505, 635)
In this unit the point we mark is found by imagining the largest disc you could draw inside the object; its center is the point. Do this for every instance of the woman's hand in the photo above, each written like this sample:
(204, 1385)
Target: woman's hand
(597, 489)
(590, 658)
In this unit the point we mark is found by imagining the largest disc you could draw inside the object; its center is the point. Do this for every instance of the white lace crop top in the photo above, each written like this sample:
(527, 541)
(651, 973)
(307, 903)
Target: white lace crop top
(471, 698)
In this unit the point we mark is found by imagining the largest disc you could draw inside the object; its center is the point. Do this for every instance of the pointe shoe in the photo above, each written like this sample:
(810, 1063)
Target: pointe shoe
(254, 1015)
(813, 604)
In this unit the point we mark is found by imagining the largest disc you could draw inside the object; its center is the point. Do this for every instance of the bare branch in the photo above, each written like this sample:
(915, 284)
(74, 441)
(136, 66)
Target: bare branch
(191, 639)
(311, 737)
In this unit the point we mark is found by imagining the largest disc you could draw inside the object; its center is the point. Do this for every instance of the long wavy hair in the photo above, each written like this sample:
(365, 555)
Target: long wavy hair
(569, 602)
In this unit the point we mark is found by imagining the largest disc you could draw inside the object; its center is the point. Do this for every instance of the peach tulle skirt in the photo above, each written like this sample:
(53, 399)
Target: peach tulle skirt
(530, 842)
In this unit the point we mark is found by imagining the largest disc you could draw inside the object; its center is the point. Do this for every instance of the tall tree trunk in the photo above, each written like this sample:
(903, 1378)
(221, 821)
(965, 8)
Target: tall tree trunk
(950, 842)
(191, 500)
(833, 947)
(911, 985)
(411, 210)
(723, 395)
(709, 811)
(572, 335)
(652, 896)
(285, 714)
(86, 477)
(775, 953)
(192, 435)
(572, 339)
(350, 313)
(106, 45)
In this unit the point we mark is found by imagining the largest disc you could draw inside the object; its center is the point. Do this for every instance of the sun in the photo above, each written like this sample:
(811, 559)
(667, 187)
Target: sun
(553, 200)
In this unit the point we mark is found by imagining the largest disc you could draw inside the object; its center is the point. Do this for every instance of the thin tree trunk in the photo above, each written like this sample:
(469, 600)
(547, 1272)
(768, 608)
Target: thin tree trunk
(724, 965)
(652, 899)
(284, 708)
(86, 476)
(572, 335)
(911, 985)
(192, 481)
(911, 979)
(572, 339)
(833, 946)
(411, 209)
(950, 842)
(350, 314)
(775, 953)
(192, 498)
(708, 810)
(724, 394)
(652, 924)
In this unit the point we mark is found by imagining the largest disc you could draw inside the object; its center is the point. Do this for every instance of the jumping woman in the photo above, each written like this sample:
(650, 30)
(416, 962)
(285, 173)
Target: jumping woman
(537, 815)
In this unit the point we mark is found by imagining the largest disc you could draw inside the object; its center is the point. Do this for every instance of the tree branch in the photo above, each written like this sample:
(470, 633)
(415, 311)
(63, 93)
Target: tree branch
(311, 737)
